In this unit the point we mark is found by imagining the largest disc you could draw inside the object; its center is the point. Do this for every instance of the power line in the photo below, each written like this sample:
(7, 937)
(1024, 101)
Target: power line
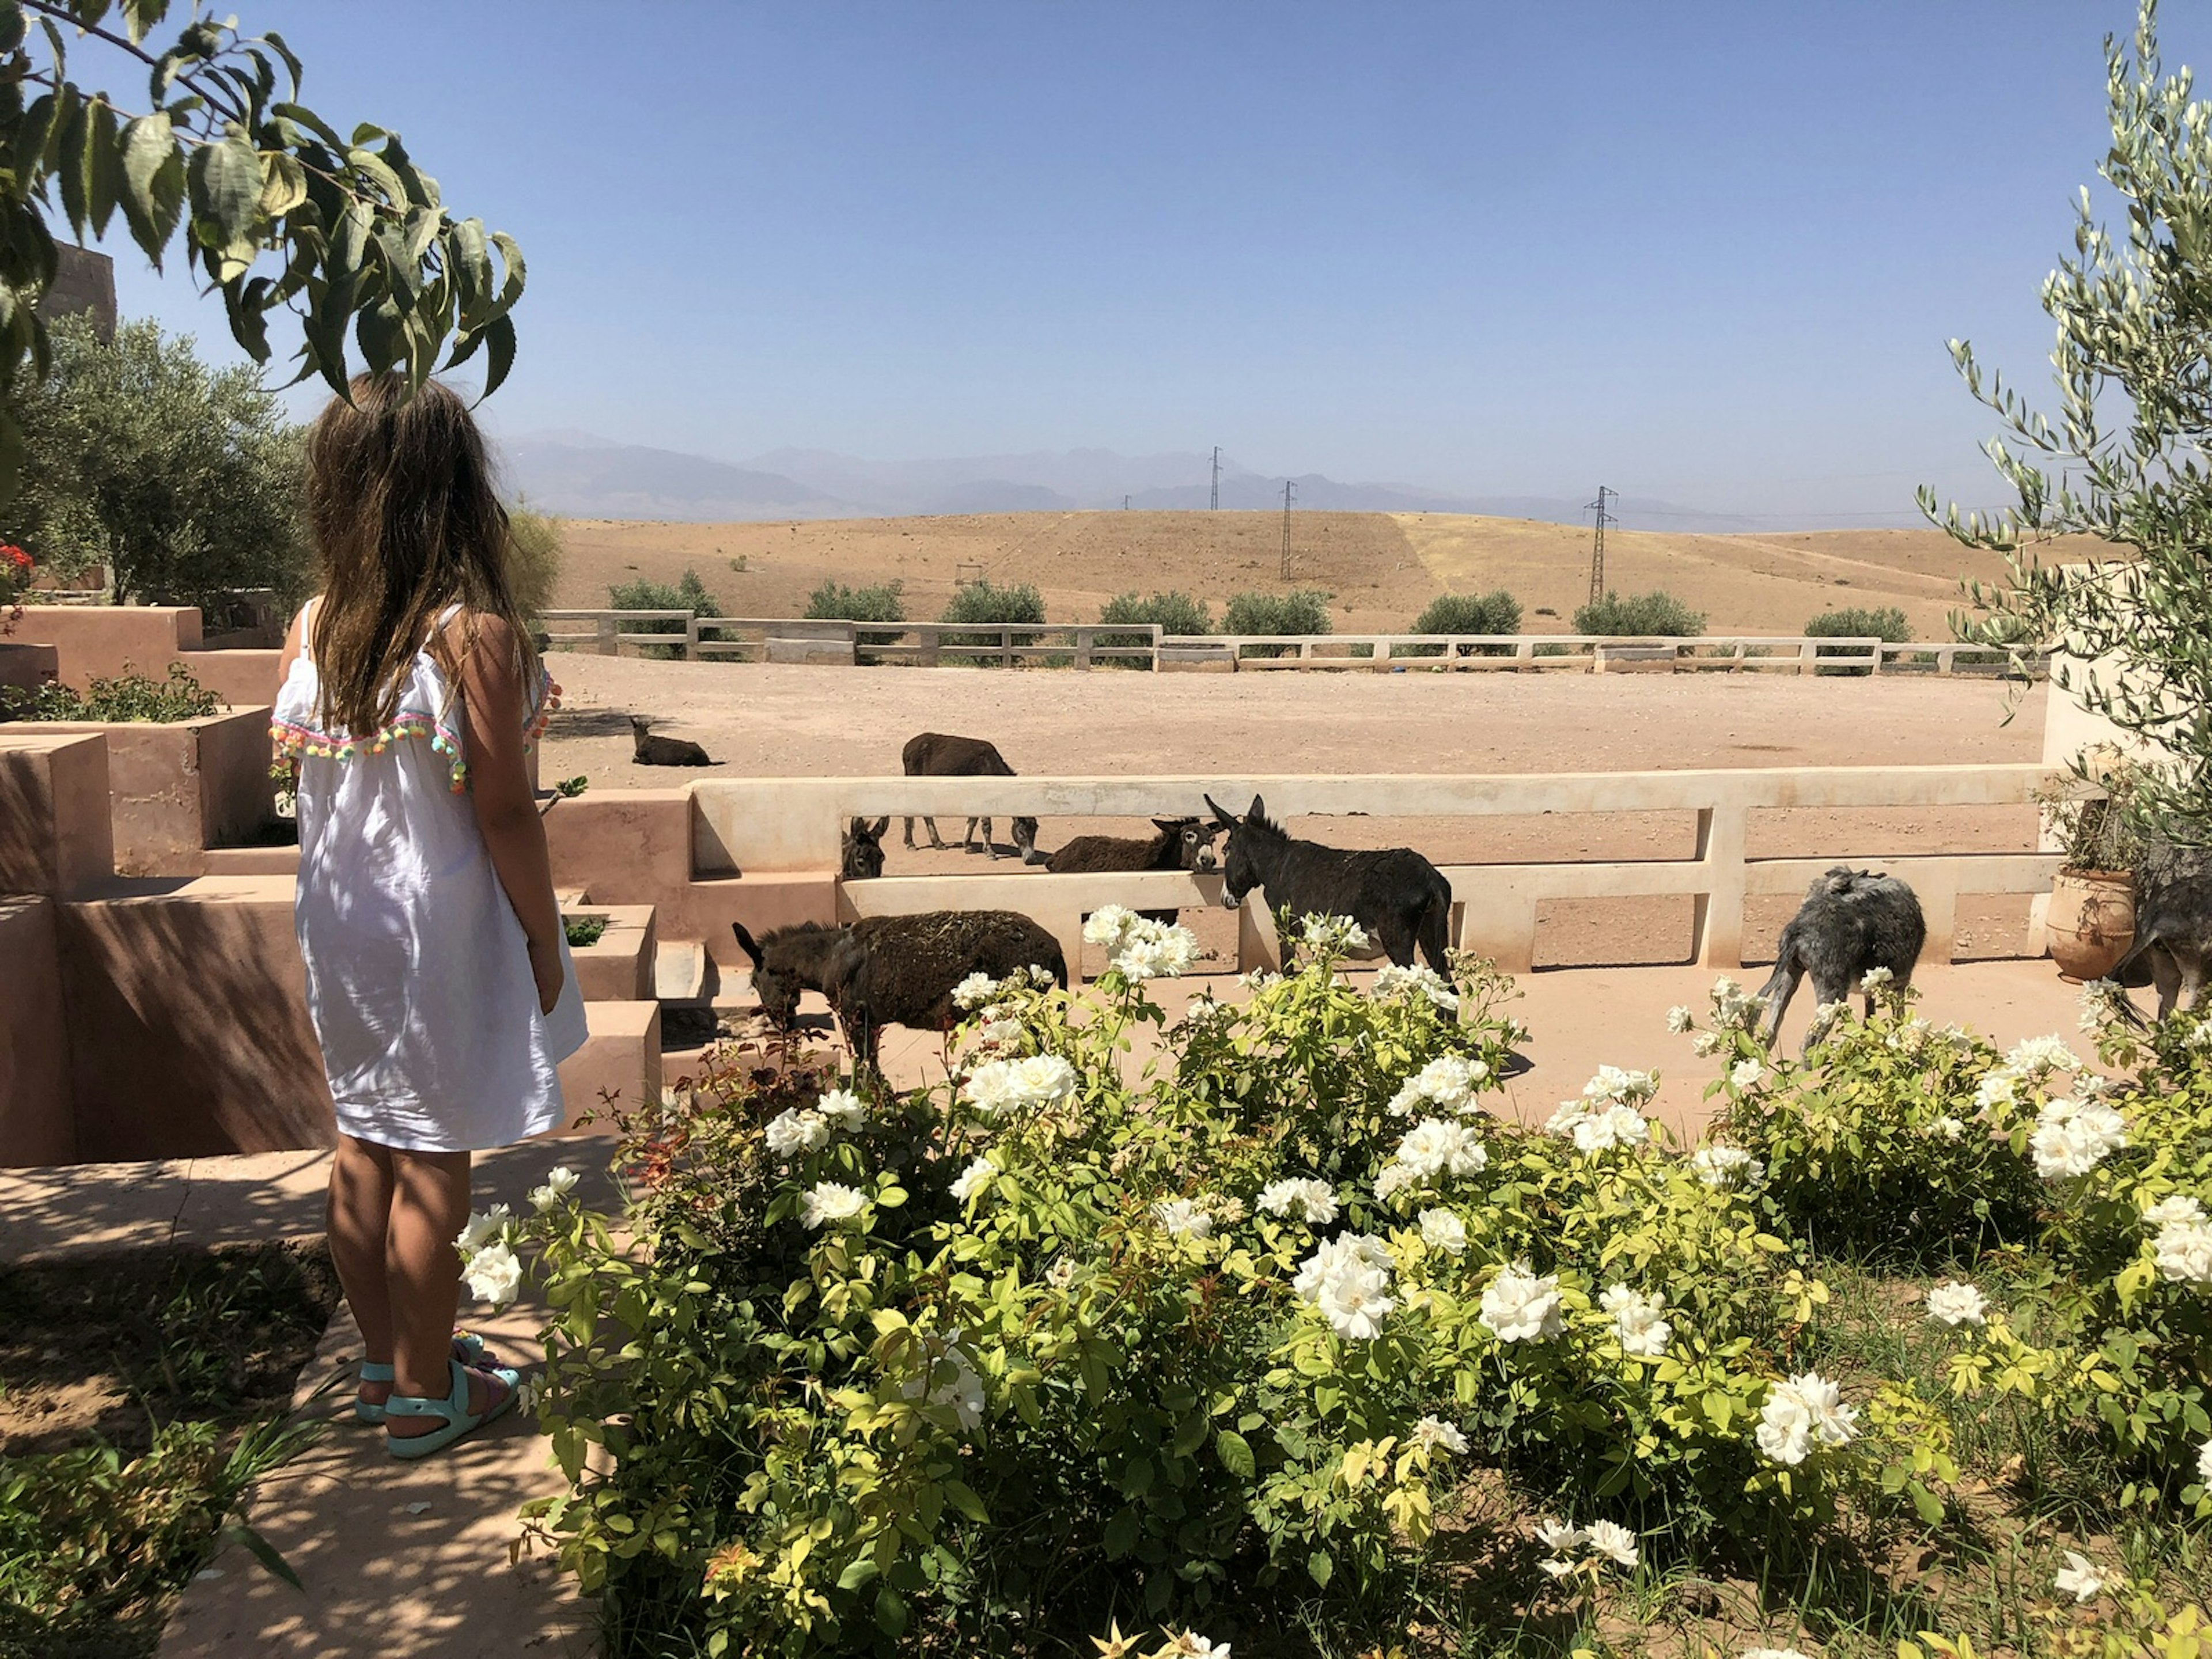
(1287, 488)
(1597, 542)
(1215, 504)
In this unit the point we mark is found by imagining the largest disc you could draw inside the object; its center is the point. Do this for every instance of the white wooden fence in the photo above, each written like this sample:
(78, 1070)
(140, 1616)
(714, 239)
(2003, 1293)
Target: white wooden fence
(772, 825)
(1138, 645)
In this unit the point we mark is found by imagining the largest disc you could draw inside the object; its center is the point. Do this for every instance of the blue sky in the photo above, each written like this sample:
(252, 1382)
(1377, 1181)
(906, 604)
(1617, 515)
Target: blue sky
(1704, 252)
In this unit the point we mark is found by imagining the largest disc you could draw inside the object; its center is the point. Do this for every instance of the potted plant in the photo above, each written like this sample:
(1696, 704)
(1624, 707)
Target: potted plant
(2091, 920)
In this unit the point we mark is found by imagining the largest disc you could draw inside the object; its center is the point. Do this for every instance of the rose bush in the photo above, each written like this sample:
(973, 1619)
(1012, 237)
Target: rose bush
(1065, 1337)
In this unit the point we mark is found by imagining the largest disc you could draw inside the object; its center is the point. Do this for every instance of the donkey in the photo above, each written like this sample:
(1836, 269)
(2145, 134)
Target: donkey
(1398, 898)
(1851, 921)
(650, 751)
(2173, 928)
(939, 755)
(894, 970)
(1181, 844)
(860, 851)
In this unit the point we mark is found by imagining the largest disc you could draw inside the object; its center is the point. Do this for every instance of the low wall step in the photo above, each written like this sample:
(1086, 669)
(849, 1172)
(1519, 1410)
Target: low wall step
(679, 970)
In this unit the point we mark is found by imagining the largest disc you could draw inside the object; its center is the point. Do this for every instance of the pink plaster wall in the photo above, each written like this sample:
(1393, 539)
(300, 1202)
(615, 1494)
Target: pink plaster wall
(634, 847)
(105, 639)
(37, 1106)
(177, 788)
(55, 834)
(26, 665)
(188, 1029)
(241, 678)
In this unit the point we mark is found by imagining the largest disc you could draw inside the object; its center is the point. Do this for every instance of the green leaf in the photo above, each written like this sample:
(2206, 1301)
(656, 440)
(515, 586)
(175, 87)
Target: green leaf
(1320, 1566)
(314, 123)
(153, 183)
(226, 188)
(500, 337)
(70, 162)
(283, 183)
(858, 1573)
(1235, 1455)
(891, 1612)
(263, 1551)
(103, 167)
(1121, 1535)
(12, 27)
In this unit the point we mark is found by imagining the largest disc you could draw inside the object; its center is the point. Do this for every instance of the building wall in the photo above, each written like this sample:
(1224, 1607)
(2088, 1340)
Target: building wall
(38, 1118)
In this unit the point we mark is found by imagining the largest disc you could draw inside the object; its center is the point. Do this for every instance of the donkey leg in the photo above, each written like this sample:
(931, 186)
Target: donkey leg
(909, 832)
(1434, 935)
(1781, 985)
(936, 842)
(1395, 935)
(2165, 974)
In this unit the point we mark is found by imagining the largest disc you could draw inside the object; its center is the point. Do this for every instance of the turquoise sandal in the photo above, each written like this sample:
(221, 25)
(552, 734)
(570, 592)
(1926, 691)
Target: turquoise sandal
(467, 1348)
(454, 1408)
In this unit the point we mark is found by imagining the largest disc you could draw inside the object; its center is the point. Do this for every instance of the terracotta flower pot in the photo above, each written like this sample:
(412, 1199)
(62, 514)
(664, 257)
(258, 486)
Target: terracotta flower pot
(2090, 921)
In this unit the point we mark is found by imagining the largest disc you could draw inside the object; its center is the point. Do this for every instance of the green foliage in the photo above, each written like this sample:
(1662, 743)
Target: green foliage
(1885, 622)
(1878, 1144)
(2092, 810)
(1175, 613)
(184, 479)
(980, 602)
(583, 930)
(688, 593)
(1657, 614)
(127, 697)
(91, 1542)
(1060, 1339)
(1498, 612)
(835, 602)
(1301, 610)
(533, 556)
(2126, 448)
(221, 155)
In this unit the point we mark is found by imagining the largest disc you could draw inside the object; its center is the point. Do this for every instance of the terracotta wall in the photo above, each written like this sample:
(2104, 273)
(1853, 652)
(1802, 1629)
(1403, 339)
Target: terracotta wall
(241, 678)
(28, 667)
(56, 836)
(187, 1022)
(37, 1106)
(177, 788)
(106, 639)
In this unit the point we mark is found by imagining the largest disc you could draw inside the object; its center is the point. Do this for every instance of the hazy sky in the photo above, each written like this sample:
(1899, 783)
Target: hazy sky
(1706, 252)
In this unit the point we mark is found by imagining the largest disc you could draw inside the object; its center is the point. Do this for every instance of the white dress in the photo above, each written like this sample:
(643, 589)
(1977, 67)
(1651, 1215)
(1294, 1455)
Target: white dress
(418, 973)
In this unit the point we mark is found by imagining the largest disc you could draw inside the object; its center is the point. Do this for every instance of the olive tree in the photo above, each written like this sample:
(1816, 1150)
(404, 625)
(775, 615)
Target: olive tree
(2124, 463)
(276, 209)
(183, 478)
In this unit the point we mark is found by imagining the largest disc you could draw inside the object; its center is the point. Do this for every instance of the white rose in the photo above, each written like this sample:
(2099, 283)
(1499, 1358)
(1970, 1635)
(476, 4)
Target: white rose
(1436, 1434)
(829, 1201)
(971, 1180)
(1442, 1230)
(494, 1275)
(2079, 1579)
(1956, 1304)
(1805, 1412)
(1520, 1306)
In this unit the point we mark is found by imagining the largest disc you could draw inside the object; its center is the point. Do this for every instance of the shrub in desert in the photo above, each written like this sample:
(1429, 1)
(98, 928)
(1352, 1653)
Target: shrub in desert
(1177, 615)
(1656, 613)
(1301, 610)
(835, 602)
(982, 602)
(1859, 623)
(688, 593)
(533, 556)
(1496, 612)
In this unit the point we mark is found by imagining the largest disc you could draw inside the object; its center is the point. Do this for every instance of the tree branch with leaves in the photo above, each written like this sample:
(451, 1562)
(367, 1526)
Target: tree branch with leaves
(2130, 608)
(276, 211)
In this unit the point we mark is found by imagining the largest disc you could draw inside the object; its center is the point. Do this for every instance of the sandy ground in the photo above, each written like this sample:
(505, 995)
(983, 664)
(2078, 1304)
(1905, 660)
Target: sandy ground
(786, 722)
(1382, 568)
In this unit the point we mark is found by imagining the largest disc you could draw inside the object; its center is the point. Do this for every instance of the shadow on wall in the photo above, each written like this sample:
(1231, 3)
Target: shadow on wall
(187, 1026)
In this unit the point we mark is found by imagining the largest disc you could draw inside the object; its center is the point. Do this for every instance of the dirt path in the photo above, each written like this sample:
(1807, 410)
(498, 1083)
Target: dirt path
(780, 721)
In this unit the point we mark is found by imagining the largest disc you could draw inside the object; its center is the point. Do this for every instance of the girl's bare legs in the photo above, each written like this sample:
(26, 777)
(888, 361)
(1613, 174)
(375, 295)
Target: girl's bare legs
(422, 1273)
(358, 1219)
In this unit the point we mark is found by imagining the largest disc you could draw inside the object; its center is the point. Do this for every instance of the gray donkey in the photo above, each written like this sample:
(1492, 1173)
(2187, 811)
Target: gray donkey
(2173, 927)
(1851, 921)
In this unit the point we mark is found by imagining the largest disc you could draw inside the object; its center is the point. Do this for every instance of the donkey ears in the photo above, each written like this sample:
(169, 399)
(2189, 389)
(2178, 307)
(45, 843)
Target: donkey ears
(863, 831)
(1228, 820)
(1258, 809)
(745, 940)
(876, 829)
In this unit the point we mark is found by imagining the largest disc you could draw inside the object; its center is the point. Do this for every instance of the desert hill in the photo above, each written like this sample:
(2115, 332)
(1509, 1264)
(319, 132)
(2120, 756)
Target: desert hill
(1382, 567)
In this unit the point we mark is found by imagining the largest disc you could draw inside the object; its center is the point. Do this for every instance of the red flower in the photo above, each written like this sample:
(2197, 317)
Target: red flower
(15, 556)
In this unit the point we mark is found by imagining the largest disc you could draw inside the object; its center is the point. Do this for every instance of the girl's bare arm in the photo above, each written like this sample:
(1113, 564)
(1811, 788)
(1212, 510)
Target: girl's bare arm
(494, 710)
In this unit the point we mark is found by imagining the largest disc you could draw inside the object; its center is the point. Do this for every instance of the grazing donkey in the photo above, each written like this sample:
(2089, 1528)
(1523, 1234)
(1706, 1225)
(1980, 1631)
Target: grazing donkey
(1181, 844)
(2173, 927)
(939, 755)
(894, 970)
(650, 751)
(1851, 921)
(861, 852)
(1398, 898)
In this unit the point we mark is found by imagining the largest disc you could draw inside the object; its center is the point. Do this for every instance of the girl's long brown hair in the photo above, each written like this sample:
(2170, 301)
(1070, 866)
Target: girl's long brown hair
(403, 512)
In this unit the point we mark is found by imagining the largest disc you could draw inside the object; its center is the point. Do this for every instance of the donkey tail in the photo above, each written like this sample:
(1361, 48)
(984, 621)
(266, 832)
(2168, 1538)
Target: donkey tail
(1434, 933)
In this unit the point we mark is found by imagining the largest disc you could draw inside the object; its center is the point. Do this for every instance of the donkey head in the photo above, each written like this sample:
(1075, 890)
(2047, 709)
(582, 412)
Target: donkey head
(1241, 870)
(861, 857)
(1190, 841)
(781, 963)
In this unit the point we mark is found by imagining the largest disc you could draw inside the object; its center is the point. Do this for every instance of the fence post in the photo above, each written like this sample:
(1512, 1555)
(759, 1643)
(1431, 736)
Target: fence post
(1084, 639)
(1935, 885)
(609, 641)
(1525, 652)
(1257, 946)
(1875, 667)
(1717, 926)
(691, 638)
(1806, 653)
(1947, 659)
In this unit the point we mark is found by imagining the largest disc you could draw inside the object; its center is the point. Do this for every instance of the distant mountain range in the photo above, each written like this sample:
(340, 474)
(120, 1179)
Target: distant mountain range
(585, 476)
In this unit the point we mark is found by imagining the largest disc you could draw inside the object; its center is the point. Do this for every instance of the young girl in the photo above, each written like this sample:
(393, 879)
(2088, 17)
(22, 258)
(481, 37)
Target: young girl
(438, 972)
